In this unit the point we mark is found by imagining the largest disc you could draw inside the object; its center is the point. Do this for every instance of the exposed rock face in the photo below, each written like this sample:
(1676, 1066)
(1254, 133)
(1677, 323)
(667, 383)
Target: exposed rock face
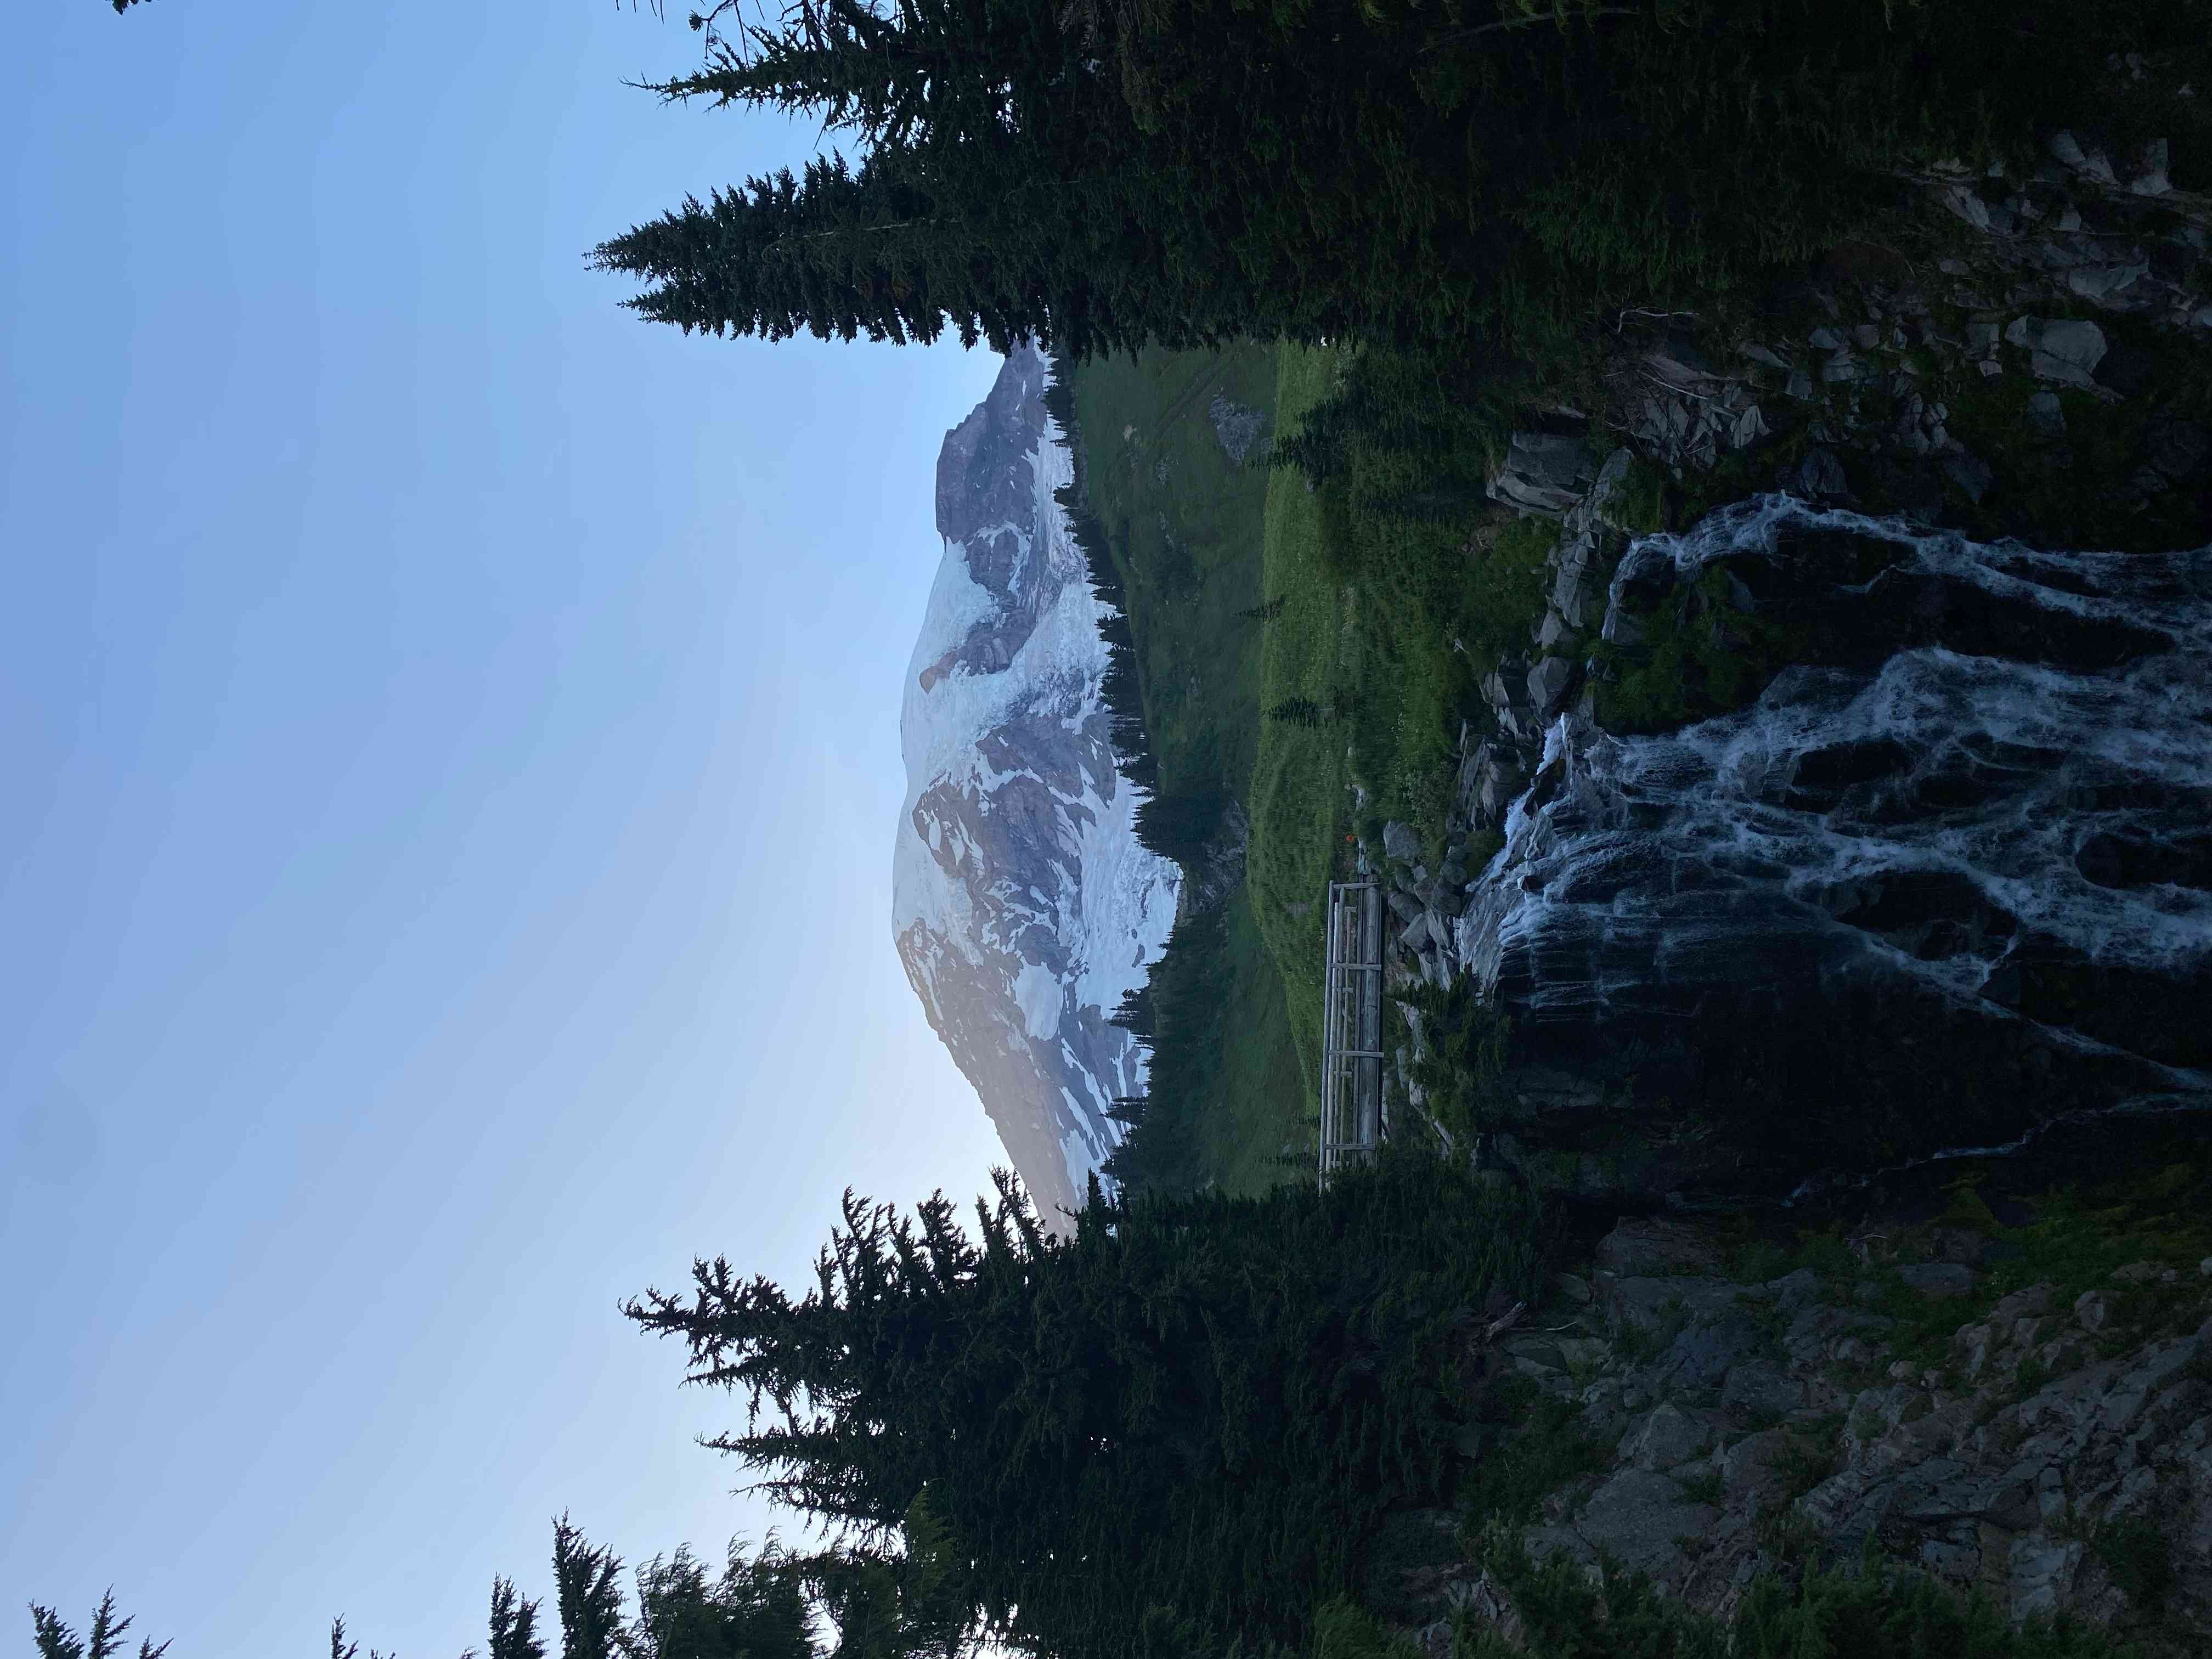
(1955, 855)
(2057, 1457)
(1024, 907)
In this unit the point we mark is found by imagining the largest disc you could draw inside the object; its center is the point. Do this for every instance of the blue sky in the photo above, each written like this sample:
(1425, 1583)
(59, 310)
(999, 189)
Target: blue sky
(450, 738)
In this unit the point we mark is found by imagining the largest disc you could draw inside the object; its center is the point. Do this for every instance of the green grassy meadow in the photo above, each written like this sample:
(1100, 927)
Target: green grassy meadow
(1363, 583)
(1183, 524)
(1298, 795)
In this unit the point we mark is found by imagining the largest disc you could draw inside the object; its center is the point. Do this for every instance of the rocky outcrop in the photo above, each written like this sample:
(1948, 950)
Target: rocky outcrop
(2051, 1446)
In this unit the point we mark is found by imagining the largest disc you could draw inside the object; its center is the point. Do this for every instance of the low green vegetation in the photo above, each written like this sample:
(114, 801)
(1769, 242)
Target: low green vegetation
(2158, 1212)
(1867, 1609)
(1299, 797)
(1175, 516)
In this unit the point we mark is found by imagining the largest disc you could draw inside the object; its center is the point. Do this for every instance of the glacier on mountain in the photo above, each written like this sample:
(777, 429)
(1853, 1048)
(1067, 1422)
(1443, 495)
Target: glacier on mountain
(1024, 907)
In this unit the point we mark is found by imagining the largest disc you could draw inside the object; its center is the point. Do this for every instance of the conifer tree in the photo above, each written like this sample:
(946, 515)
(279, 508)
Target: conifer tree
(103, 1639)
(514, 1624)
(1202, 1406)
(587, 1590)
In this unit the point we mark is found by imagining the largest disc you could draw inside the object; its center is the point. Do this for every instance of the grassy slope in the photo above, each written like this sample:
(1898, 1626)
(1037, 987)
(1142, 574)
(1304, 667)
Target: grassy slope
(1298, 781)
(1182, 521)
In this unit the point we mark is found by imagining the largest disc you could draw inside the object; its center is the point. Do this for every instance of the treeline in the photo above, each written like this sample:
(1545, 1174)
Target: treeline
(879, 1603)
(1176, 1015)
(1106, 177)
(1122, 689)
(1170, 1434)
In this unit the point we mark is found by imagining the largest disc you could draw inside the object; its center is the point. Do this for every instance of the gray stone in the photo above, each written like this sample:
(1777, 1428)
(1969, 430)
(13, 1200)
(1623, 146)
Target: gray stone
(1400, 842)
(1705, 1352)
(1748, 1466)
(1759, 1389)
(1793, 1290)
(2067, 151)
(1543, 473)
(1666, 1438)
(1621, 629)
(1818, 476)
(2067, 351)
(1501, 783)
(1236, 427)
(1655, 1244)
(2150, 170)
(2046, 415)
(1970, 473)
(1549, 683)
(1554, 630)
(1938, 1280)
(1416, 933)
(1403, 905)
(1649, 1304)
(1637, 1515)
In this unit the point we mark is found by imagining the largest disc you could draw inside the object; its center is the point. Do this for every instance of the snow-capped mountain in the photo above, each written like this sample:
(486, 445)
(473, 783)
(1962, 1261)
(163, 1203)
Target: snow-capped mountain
(1023, 905)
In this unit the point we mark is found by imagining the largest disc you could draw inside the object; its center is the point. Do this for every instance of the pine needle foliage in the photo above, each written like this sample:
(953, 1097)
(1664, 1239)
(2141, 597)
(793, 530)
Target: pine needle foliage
(1165, 1432)
(587, 1589)
(514, 1624)
(103, 1639)
(1109, 173)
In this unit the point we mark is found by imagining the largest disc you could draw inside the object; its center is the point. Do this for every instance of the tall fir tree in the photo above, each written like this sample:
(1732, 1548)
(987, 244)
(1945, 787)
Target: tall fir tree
(1202, 1407)
(587, 1590)
(103, 1639)
(514, 1633)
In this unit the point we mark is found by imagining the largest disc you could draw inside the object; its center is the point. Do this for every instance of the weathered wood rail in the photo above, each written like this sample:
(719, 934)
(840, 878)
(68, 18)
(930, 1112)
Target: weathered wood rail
(1352, 1120)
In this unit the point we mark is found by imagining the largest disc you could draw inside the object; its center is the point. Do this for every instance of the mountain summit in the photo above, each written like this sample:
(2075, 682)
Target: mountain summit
(1023, 905)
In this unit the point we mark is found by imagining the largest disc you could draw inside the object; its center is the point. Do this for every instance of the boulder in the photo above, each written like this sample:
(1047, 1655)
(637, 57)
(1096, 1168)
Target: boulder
(1543, 473)
(1667, 1438)
(1656, 1244)
(2093, 164)
(1818, 476)
(1608, 496)
(1400, 842)
(2067, 351)
(1637, 1515)
(1549, 682)
(1970, 473)
(1761, 1390)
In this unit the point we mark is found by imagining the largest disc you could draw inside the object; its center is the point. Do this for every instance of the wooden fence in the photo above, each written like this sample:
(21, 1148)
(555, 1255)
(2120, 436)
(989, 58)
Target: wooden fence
(1352, 1122)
